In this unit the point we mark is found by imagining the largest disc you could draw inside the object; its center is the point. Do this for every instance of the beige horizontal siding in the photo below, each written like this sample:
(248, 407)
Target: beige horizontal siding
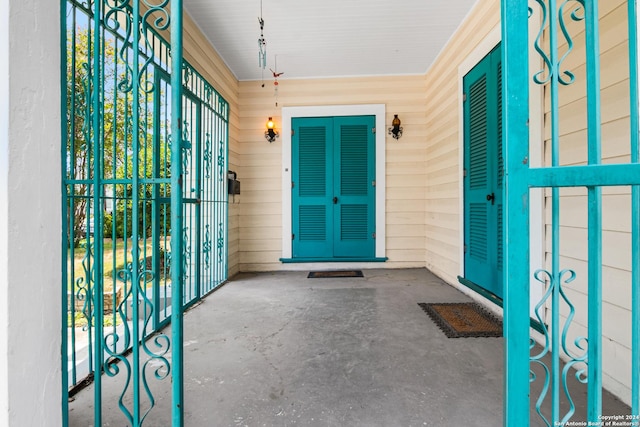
(199, 52)
(442, 216)
(261, 171)
(234, 241)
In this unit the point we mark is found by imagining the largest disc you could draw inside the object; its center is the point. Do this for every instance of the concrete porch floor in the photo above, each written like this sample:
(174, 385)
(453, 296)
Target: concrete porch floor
(278, 349)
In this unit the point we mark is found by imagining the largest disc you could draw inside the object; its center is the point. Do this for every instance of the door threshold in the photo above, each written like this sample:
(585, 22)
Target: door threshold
(302, 260)
(482, 291)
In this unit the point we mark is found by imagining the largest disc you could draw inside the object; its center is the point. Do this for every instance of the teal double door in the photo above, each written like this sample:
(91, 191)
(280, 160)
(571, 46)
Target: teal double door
(333, 188)
(484, 174)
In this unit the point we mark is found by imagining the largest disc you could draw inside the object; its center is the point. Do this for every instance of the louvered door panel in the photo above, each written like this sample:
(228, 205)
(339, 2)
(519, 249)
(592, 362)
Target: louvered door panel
(478, 134)
(484, 166)
(477, 162)
(354, 162)
(312, 165)
(354, 224)
(355, 173)
(333, 197)
(477, 217)
(313, 222)
(312, 216)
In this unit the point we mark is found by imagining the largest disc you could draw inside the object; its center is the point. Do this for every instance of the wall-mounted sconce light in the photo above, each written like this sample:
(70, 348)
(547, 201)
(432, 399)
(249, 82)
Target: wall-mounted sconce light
(396, 129)
(271, 133)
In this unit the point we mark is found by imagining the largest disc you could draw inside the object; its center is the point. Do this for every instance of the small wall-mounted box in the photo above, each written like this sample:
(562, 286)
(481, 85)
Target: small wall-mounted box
(232, 182)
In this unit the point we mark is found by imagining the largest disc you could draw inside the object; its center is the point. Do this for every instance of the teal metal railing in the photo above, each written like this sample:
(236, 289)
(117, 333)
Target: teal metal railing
(562, 356)
(138, 228)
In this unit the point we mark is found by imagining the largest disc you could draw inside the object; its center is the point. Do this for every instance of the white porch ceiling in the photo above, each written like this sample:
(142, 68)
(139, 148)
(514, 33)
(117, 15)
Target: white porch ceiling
(329, 38)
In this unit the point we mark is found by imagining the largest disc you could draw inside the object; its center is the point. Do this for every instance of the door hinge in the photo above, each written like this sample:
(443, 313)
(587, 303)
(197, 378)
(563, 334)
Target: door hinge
(373, 235)
(293, 184)
(373, 183)
(465, 249)
(373, 130)
(464, 97)
(293, 236)
(293, 132)
(464, 172)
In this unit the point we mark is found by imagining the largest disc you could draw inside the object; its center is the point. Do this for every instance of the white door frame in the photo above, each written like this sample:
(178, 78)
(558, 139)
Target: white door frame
(377, 110)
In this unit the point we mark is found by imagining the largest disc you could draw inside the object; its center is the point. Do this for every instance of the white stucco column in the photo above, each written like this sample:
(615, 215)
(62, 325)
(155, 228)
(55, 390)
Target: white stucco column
(30, 204)
(4, 174)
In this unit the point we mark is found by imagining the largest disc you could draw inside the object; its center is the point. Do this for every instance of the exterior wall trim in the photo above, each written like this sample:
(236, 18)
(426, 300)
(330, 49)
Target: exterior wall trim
(377, 110)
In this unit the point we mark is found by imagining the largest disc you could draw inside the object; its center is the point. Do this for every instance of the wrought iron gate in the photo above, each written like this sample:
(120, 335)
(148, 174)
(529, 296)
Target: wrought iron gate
(145, 203)
(564, 356)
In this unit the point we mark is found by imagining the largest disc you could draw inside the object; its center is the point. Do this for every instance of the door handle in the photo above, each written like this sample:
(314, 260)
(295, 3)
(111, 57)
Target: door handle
(491, 198)
(335, 200)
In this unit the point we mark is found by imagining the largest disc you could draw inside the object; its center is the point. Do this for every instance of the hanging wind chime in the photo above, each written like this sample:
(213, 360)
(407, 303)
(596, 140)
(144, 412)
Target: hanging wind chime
(262, 46)
(276, 74)
(262, 57)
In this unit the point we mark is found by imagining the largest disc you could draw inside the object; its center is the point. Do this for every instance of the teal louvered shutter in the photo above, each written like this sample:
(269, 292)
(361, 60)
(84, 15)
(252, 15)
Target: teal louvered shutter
(497, 61)
(312, 217)
(483, 169)
(354, 203)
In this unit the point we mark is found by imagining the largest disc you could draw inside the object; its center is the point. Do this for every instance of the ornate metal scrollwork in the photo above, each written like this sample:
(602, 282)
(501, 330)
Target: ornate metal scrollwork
(84, 287)
(158, 14)
(220, 242)
(206, 247)
(221, 162)
(555, 25)
(186, 148)
(117, 12)
(186, 253)
(187, 74)
(120, 70)
(565, 77)
(555, 286)
(117, 358)
(207, 156)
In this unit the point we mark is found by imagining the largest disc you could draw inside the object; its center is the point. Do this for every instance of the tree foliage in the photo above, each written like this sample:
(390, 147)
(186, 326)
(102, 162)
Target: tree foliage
(107, 146)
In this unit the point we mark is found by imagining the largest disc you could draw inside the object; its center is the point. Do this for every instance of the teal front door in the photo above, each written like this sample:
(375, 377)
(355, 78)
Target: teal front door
(483, 174)
(333, 188)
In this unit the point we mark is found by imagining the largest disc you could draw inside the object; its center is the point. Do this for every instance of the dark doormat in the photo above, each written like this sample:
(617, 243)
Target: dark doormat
(463, 320)
(335, 273)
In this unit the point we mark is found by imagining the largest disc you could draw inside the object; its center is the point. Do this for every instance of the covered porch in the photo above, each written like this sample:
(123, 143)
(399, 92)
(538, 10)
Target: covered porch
(552, 232)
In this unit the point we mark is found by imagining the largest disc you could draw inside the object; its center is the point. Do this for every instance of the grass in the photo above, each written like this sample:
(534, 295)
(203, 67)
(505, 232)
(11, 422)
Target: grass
(80, 320)
(112, 261)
